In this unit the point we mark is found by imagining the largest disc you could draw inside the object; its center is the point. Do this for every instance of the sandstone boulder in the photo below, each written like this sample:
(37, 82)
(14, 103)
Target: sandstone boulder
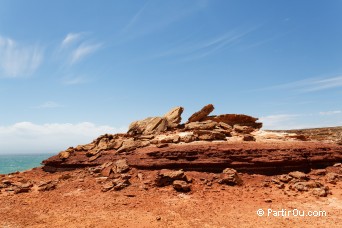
(115, 144)
(22, 187)
(318, 172)
(204, 125)
(299, 175)
(64, 155)
(248, 138)
(47, 186)
(187, 138)
(243, 129)
(203, 113)
(116, 184)
(233, 119)
(106, 171)
(107, 186)
(121, 166)
(225, 126)
(131, 144)
(120, 183)
(170, 139)
(173, 117)
(230, 177)
(181, 186)
(150, 125)
(209, 135)
(305, 186)
(103, 144)
(285, 178)
(166, 177)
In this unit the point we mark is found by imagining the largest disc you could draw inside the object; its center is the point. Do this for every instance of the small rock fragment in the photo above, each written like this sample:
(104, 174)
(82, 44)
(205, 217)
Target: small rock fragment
(230, 177)
(248, 138)
(181, 186)
(299, 175)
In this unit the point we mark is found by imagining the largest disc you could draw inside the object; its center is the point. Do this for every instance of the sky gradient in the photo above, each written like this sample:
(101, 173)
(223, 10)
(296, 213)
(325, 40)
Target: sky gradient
(72, 70)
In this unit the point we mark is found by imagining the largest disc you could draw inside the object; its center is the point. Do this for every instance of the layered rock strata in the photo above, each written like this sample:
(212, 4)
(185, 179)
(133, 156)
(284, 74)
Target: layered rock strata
(204, 143)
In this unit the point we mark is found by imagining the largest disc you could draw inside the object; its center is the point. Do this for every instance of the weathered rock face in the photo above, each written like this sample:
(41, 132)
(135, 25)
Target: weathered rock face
(205, 143)
(250, 157)
(205, 125)
(173, 117)
(200, 115)
(236, 119)
(150, 125)
(209, 135)
(156, 125)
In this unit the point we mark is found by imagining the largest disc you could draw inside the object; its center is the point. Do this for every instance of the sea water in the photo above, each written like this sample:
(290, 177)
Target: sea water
(13, 163)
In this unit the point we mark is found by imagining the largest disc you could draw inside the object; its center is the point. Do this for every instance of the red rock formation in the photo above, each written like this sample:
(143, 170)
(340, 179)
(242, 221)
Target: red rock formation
(233, 119)
(200, 115)
(160, 142)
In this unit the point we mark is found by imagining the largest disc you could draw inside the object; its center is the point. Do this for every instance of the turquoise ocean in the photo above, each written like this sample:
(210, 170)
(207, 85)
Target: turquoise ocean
(13, 163)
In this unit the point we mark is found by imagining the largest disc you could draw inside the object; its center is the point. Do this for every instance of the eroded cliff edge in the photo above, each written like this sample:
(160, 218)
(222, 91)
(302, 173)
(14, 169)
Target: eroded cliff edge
(204, 143)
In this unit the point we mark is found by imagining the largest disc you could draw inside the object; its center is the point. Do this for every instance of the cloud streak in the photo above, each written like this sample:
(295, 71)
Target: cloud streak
(71, 38)
(208, 47)
(75, 47)
(328, 113)
(49, 105)
(27, 137)
(143, 22)
(312, 84)
(135, 18)
(82, 51)
(18, 60)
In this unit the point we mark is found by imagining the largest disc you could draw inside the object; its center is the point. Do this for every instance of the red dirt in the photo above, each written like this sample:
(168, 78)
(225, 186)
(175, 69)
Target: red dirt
(79, 202)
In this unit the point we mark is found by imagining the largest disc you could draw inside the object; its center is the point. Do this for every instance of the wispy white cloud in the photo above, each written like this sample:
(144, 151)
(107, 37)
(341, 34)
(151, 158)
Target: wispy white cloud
(27, 137)
(143, 21)
(312, 84)
(75, 47)
(48, 104)
(71, 38)
(18, 60)
(82, 51)
(217, 44)
(206, 48)
(328, 113)
(135, 18)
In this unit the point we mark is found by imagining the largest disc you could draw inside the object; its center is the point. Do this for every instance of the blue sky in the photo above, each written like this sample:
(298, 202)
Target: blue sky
(71, 70)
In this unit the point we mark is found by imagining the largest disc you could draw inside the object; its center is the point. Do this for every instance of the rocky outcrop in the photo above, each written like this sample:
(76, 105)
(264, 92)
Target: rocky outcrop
(150, 125)
(250, 157)
(200, 115)
(173, 117)
(236, 119)
(205, 143)
(204, 125)
(156, 125)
